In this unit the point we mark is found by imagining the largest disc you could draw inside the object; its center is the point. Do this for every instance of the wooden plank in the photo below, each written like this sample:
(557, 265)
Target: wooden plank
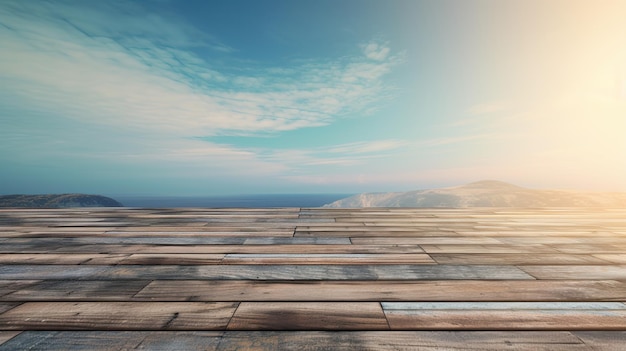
(118, 316)
(401, 340)
(500, 306)
(208, 249)
(72, 290)
(438, 290)
(74, 341)
(309, 340)
(525, 259)
(265, 272)
(563, 239)
(213, 272)
(436, 240)
(508, 249)
(55, 241)
(448, 272)
(71, 272)
(217, 232)
(375, 233)
(534, 233)
(174, 341)
(571, 272)
(297, 241)
(327, 259)
(586, 248)
(173, 259)
(506, 316)
(308, 316)
(43, 258)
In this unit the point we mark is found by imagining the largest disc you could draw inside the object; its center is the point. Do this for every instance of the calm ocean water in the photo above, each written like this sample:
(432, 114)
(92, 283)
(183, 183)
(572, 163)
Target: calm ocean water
(247, 201)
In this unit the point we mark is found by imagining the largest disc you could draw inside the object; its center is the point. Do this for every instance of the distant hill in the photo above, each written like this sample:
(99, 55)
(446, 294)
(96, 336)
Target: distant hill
(57, 201)
(486, 193)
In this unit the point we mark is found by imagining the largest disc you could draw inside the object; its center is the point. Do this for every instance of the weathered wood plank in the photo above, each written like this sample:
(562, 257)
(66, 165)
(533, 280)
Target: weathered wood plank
(305, 340)
(586, 248)
(57, 241)
(506, 316)
(563, 239)
(308, 316)
(204, 232)
(72, 290)
(118, 316)
(74, 341)
(45, 258)
(176, 341)
(436, 240)
(448, 272)
(569, 272)
(523, 259)
(373, 233)
(297, 241)
(265, 272)
(173, 259)
(503, 249)
(536, 233)
(499, 306)
(199, 249)
(401, 340)
(438, 290)
(327, 259)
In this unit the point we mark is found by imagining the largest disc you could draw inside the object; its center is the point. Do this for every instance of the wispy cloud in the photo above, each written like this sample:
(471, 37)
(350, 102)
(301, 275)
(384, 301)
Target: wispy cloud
(340, 155)
(138, 92)
(145, 74)
(367, 147)
(447, 140)
(376, 51)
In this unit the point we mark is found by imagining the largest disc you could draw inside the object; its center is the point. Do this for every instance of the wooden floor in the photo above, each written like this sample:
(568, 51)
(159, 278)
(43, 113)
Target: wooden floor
(313, 279)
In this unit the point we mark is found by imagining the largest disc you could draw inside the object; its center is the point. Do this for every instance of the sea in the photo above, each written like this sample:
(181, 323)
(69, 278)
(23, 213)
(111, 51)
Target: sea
(243, 201)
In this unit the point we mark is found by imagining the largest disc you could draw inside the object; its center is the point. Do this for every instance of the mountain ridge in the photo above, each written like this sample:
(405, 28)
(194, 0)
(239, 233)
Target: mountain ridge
(57, 201)
(484, 193)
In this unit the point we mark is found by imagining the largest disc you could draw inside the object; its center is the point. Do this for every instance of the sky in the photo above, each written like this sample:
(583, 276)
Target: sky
(312, 96)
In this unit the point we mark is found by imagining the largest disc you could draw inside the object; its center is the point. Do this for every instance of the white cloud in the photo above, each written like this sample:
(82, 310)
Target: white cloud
(68, 61)
(347, 155)
(447, 140)
(376, 51)
(367, 147)
(136, 94)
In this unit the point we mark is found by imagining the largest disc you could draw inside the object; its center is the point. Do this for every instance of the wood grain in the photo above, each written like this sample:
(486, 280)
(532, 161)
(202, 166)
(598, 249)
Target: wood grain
(313, 278)
(437, 290)
(308, 316)
(263, 272)
(517, 259)
(118, 316)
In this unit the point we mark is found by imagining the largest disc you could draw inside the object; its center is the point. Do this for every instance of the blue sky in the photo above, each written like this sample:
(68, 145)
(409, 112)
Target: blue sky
(231, 97)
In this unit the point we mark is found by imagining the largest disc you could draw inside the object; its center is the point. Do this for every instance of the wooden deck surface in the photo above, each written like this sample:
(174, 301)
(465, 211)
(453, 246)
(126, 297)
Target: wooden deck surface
(313, 279)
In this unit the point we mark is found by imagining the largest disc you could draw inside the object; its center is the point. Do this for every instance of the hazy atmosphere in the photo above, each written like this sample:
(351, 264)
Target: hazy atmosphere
(231, 97)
